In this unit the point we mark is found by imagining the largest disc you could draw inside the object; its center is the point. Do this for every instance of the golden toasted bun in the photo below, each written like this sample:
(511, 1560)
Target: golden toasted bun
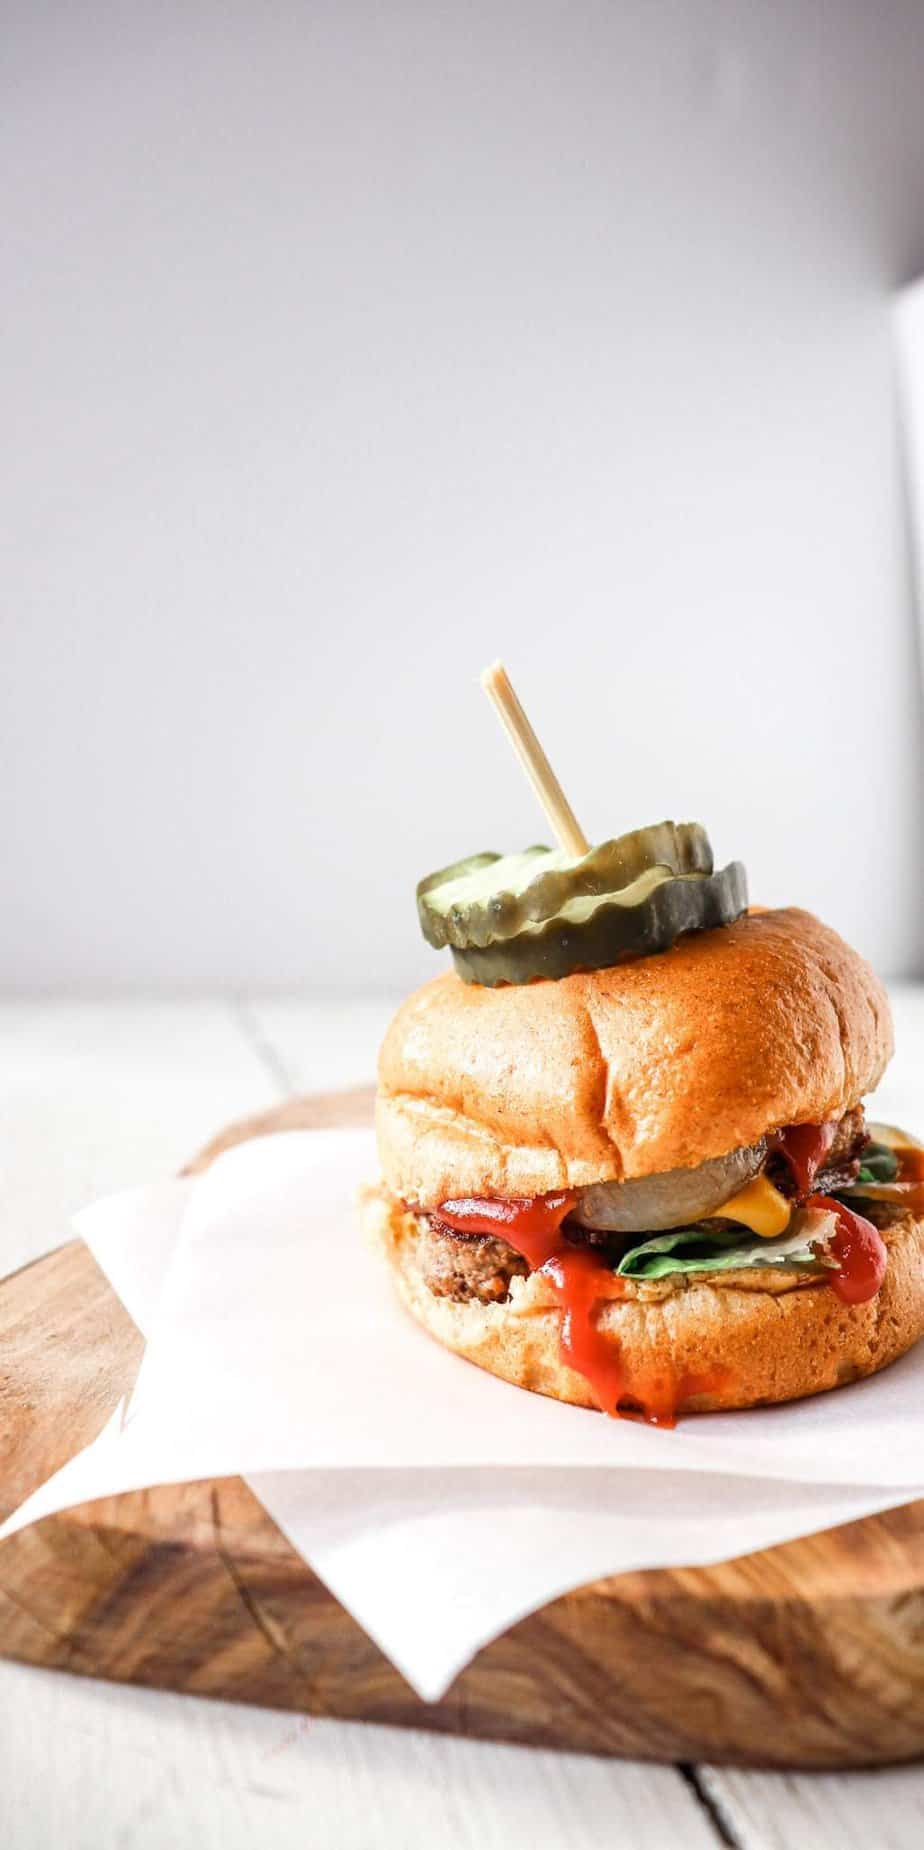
(764, 1336)
(656, 1064)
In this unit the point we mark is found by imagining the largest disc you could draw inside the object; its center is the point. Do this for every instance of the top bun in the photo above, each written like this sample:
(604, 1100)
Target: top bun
(660, 1063)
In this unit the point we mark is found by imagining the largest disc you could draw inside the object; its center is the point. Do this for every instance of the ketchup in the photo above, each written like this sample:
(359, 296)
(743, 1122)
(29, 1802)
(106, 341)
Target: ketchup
(859, 1250)
(805, 1147)
(531, 1223)
(581, 1280)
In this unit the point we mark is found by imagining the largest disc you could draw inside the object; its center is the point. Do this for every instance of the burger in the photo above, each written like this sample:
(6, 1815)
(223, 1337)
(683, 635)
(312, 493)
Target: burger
(625, 1159)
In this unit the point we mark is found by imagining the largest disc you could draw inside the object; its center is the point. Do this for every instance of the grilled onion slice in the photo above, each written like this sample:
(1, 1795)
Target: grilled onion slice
(676, 1198)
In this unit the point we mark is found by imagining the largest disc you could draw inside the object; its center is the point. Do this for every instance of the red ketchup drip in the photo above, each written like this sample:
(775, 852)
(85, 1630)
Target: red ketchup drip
(856, 1244)
(859, 1250)
(581, 1280)
(805, 1147)
(531, 1224)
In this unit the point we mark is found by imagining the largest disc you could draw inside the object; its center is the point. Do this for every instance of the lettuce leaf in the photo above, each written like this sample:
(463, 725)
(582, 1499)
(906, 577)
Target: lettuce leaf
(702, 1249)
(879, 1164)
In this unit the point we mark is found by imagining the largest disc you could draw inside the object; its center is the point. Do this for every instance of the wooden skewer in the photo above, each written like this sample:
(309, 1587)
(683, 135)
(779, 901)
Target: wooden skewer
(499, 689)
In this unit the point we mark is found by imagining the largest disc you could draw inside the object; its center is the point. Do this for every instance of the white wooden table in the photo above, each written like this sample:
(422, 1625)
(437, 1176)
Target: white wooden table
(94, 1097)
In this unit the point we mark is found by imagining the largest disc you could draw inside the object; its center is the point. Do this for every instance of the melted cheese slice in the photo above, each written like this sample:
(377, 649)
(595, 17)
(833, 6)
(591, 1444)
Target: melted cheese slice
(760, 1207)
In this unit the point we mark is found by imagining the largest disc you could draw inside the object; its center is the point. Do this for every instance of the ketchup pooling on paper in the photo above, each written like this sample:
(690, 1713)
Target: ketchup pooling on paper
(581, 1280)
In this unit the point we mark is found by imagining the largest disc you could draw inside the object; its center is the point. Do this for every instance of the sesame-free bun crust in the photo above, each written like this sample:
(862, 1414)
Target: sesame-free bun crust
(764, 1337)
(656, 1064)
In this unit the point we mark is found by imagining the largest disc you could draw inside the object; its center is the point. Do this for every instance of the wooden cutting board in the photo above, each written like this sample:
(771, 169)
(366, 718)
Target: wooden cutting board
(807, 1655)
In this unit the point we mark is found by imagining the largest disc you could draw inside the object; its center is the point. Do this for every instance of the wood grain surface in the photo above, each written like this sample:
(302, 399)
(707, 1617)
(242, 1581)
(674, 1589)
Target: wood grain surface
(806, 1655)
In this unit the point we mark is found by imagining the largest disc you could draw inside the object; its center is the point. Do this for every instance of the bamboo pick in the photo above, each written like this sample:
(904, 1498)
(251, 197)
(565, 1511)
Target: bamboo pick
(499, 689)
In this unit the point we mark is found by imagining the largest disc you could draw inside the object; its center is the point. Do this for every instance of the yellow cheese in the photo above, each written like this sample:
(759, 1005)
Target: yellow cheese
(761, 1207)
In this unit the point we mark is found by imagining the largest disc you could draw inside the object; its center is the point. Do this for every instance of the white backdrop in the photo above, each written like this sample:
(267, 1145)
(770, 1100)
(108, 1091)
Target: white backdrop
(347, 346)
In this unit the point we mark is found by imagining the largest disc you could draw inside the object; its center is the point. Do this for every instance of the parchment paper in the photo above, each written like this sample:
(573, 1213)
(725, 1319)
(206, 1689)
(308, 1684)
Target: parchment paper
(439, 1504)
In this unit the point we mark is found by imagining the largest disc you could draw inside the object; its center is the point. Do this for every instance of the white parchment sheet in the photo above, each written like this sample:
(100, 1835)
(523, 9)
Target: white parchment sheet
(438, 1504)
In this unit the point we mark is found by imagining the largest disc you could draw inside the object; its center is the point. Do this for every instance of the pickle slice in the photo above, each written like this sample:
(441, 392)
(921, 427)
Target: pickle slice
(489, 898)
(591, 932)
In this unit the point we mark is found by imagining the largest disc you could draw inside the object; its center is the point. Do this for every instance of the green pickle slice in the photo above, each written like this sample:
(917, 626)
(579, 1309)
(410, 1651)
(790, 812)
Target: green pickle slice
(517, 917)
(591, 933)
(491, 897)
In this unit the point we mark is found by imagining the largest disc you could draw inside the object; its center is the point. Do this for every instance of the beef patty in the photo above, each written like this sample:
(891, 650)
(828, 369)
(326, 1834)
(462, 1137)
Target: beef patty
(463, 1266)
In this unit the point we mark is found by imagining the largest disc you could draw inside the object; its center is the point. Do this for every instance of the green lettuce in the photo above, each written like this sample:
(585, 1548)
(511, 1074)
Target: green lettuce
(701, 1249)
(880, 1164)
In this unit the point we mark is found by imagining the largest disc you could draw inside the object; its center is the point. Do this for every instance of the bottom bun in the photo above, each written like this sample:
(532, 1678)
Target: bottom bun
(759, 1345)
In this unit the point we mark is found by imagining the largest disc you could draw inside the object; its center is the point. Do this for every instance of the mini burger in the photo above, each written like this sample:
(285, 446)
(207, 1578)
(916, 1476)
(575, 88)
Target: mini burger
(625, 1159)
